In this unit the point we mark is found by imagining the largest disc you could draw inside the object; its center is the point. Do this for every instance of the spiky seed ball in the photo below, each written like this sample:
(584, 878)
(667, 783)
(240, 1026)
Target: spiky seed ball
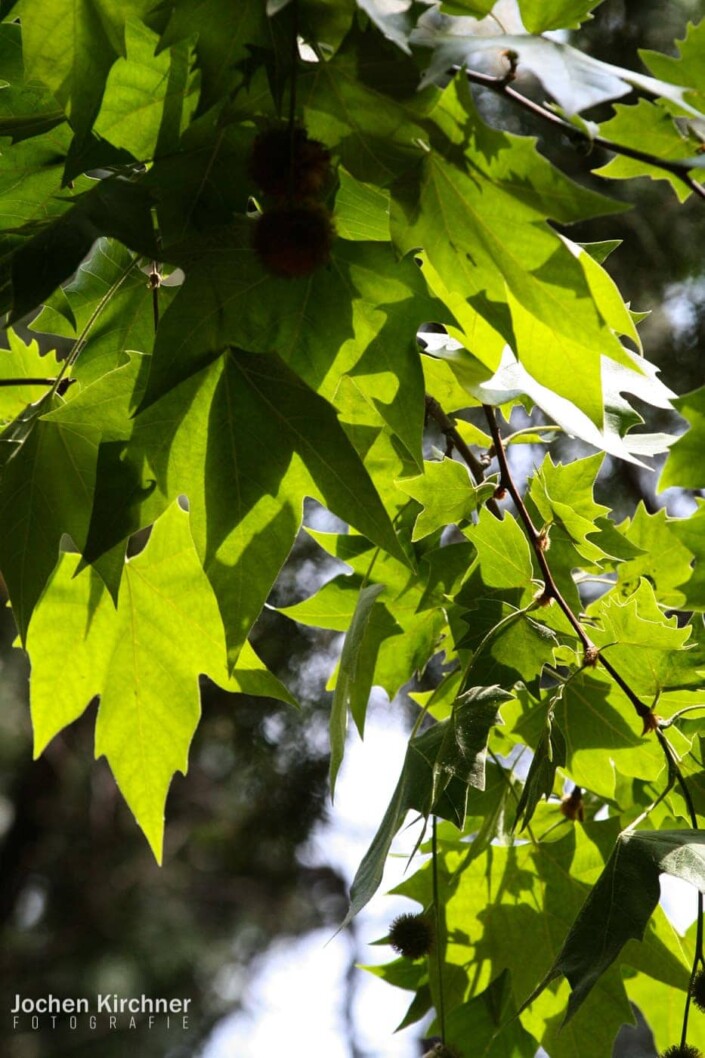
(697, 990)
(411, 936)
(287, 164)
(294, 240)
(685, 1050)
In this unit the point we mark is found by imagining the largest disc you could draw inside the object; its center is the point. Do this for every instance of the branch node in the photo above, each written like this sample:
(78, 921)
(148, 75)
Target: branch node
(591, 656)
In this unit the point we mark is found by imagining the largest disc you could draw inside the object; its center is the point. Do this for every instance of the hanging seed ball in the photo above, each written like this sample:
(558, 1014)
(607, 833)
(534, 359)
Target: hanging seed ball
(411, 936)
(294, 240)
(684, 1050)
(697, 990)
(286, 164)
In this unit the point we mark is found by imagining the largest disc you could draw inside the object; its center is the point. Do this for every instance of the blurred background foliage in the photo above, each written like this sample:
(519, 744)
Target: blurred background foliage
(83, 907)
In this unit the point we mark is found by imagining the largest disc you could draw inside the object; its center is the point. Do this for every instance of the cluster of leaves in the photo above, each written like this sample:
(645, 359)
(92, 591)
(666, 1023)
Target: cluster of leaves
(205, 394)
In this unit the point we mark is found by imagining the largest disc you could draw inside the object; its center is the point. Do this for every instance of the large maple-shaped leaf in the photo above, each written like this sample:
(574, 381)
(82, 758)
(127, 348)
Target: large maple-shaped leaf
(143, 659)
(446, 494)
(666, 557)
(226, 32)
(563, 494)
(246, 440)
(358, 316)
(46, 489)
(531, 286)
(511, 909)
(109, 305)
(148, 97)
(621, 903)
(26, 108)
(70, 45)
(651, 652)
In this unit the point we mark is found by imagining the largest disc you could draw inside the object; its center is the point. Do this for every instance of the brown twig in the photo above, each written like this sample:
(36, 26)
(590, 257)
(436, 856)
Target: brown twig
(537, 540)
(502, 87)
(454, 439)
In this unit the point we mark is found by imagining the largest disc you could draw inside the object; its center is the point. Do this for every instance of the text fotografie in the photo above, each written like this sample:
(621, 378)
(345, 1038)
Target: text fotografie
(103, 1004)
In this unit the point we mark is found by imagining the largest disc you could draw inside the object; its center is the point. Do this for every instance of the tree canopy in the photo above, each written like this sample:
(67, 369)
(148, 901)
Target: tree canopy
(258, 254)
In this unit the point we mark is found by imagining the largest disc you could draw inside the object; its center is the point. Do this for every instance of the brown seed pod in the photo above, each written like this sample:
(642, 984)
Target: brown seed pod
(697, 990)
(685, 1050)
(287, 164)
(411, 936)
(294, 240)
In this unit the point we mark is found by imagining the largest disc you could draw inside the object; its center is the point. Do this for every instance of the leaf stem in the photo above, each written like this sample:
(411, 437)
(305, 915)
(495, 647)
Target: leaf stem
(437, 912)
(27, 381)
(501, 86)
(90, 322)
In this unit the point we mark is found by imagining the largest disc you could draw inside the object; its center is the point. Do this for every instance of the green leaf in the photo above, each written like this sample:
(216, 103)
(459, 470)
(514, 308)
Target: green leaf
(70, 47)
(366, 104)
(651, 652)
(647, 127)
(143, 659)
(114, 207)
(686, 67)
(563, 495)
(549, 755)
(507, 643)
(26, 108)
(22, 360)
(622, 902)
(434, 750)
(361, 210)
(689, 531)
(445, 493)
(684, 465)
(665, 560)
(503, 551)
(148, 97)
(46, 490)
(488, 1020)
(244, 427)
(463, 750)
(603, 736)
(108, 302)
(224, 33)
(541, 15)
(509, 265)
(366, 307)
(355, 674)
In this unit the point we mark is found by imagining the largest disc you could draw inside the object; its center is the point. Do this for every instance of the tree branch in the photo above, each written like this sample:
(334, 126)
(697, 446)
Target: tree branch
(538, 541)
(448, 427)
(502, 87)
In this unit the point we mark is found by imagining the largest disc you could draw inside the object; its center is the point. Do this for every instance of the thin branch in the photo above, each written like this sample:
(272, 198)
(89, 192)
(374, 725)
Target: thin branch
(27, 381)
(448, 427)
(502, 87)
(538, 542)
